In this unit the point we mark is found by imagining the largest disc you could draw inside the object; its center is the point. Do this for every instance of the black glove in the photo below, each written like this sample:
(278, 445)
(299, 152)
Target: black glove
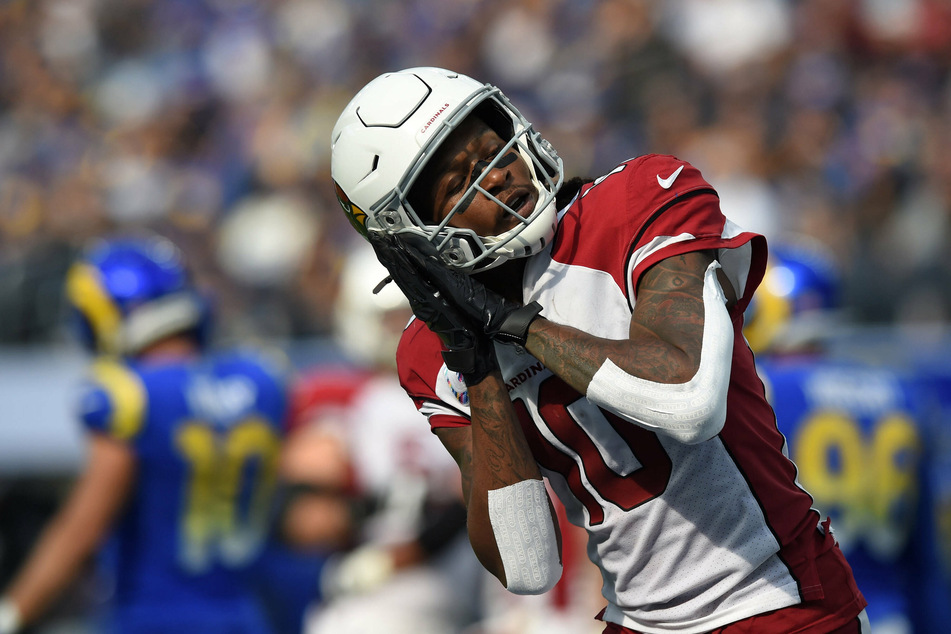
(498, 317)
(470, 352)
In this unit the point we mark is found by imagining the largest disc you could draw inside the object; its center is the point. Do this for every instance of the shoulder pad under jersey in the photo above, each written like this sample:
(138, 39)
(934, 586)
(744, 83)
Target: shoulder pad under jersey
(113, 400)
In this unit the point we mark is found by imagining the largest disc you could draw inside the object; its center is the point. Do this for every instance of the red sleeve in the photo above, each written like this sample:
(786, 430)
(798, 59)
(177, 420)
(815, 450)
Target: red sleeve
(438, 393)
(650, 208)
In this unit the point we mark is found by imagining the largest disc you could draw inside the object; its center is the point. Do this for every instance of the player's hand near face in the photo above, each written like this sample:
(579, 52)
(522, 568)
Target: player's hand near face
(469, 351)
(492, 453)
(641, 398)
(666, 328)
(449, 294)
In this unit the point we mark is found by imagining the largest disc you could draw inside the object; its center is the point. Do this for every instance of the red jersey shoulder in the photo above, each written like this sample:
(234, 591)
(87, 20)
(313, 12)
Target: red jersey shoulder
(658, 179)
(437, 392)
(419, 360)
(620, 211)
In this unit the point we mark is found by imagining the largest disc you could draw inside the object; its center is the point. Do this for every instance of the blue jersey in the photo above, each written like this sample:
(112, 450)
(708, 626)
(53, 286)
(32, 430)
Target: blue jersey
(207, 435)
(932, 549)
(857, 434)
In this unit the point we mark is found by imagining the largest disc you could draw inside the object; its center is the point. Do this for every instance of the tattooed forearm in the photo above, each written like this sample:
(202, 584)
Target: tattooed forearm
(665, 335)
(492, 453)
(497, 437)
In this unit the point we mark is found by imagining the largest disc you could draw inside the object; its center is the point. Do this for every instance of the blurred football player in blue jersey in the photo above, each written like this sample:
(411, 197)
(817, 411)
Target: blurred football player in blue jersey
(183, 448)
(857, 431)
(931, 603)
(799, 304)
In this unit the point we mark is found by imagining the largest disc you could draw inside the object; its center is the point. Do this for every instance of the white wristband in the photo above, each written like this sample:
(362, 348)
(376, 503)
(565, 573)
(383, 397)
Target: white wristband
(525, 535)
(9, 616)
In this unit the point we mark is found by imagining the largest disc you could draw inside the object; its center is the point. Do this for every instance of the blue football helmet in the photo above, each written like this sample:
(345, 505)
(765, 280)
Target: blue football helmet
(798, 303)
(128, 293)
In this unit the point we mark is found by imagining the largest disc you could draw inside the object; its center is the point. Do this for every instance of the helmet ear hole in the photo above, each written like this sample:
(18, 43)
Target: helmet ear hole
(461, 249)
(390, 218)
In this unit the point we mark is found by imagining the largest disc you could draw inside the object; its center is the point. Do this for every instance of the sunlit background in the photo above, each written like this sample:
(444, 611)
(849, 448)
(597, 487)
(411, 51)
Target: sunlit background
(208, 121)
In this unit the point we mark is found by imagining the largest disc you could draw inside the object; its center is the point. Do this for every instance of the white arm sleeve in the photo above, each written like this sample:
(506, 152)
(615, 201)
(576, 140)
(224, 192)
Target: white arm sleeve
(9, 617)
(525, 535)
(689, 412)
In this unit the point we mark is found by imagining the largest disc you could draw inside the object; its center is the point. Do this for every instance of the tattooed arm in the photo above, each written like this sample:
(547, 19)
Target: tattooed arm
(492, 454)
(665, 335)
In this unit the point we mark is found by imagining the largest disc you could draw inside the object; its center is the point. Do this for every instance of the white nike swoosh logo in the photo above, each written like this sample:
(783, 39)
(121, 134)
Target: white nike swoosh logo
(667, 182)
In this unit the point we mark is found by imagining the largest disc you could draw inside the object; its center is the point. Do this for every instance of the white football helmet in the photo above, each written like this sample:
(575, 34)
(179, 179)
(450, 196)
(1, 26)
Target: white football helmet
(390, 130)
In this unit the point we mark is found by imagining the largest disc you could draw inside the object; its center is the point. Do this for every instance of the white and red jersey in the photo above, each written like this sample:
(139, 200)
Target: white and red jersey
(688, 537)
(388, 458)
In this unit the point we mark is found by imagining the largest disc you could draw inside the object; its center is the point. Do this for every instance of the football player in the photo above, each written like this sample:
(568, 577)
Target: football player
(863, 435)
(183, 447)
(931, 543)
(588, 333)
(798, 307)
(374, 483)
(855, 431)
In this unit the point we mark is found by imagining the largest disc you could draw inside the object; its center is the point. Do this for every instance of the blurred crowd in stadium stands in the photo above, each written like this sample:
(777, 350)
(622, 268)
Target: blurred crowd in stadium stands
(209, 121)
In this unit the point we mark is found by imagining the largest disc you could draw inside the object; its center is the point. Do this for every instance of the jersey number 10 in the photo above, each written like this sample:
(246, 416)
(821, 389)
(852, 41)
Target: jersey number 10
(232, 476)
(576, 428)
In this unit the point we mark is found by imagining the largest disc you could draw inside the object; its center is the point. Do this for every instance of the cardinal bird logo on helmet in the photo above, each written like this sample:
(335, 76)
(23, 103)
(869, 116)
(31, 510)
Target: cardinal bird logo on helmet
(357, 217)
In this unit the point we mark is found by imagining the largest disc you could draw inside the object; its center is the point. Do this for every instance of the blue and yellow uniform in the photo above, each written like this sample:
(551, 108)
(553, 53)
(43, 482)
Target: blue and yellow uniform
(932, 542)
(873, 444)
(858, 434)
(206, 433)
